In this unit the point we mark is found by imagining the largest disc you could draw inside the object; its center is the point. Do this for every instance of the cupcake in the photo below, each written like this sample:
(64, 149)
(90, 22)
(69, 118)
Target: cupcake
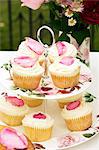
(77, 115)
(65, 72)
(12, 140)
(26, 72)
(31, 102)
(38, 126)
(12, 110)
(60, 50)
(31, 48)
(65, 101)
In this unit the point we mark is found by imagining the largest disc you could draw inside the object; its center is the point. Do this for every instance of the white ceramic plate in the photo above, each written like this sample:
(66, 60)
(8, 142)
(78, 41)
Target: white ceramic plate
(50, 92)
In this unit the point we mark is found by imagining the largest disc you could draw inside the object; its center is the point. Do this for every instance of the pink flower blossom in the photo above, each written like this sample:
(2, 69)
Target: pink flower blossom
(76, 6)
(33, 4)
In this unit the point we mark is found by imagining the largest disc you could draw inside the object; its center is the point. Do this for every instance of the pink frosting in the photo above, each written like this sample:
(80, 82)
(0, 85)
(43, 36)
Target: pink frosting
(12, 139)
(34, 46)
(15, 101)
(25, 61)
(61, 48)
(39, 116)
(69, 60)
(73, 105)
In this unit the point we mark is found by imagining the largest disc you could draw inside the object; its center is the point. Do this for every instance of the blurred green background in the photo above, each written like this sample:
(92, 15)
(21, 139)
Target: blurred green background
(18, 22)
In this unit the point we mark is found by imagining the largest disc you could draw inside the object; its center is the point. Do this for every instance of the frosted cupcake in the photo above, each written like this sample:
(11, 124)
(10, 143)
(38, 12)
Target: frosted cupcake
(60, 50)
(12, 110)
(65, 72)
(65, 101)
(12, 140)
(26, 72)
(31, 48)
(38, 126)
(77, 115)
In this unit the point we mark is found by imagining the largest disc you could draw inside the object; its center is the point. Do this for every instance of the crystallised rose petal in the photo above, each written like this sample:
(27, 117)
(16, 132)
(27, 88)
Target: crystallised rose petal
(67, 61)
(15, 101)
(25, 61)
(61, 48)
(39, 116)
(34, 46)
(73, 105)
(11, 139)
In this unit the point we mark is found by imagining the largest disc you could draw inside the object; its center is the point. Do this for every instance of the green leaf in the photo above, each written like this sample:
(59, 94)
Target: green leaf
(7, 66)
(56, 24)
(54, 6)
(64, 37)
(89, 135)
(80, 35)
(38, 94)
(61, 24)
(30, 93)
(89, 97)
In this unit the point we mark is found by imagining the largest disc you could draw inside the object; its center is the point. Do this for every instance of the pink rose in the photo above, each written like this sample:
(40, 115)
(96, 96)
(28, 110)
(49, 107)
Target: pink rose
(33, 4)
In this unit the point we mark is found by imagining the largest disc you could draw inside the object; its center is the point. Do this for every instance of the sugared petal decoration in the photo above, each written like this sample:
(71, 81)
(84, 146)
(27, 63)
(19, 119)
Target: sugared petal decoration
(61, 48)
(39, 116)
(33, 4)
(14, 101)
(34, 46)
(12, 139)
(67, 61)
(25, 61)
(73, 105)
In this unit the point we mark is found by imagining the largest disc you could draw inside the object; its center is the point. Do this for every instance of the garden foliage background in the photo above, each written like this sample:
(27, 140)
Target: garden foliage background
(17, 22)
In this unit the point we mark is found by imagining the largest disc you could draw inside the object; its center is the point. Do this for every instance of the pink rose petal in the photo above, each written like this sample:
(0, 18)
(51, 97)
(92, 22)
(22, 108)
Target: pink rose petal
(34, 46)
(39, 116)
(25, 61)
(15, 101)
(61, 48)
(67, 61)
(11, 139)
(73, 105)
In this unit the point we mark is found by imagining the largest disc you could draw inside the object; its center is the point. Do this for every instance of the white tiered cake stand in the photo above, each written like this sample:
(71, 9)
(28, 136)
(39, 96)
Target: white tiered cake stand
(50, 94)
